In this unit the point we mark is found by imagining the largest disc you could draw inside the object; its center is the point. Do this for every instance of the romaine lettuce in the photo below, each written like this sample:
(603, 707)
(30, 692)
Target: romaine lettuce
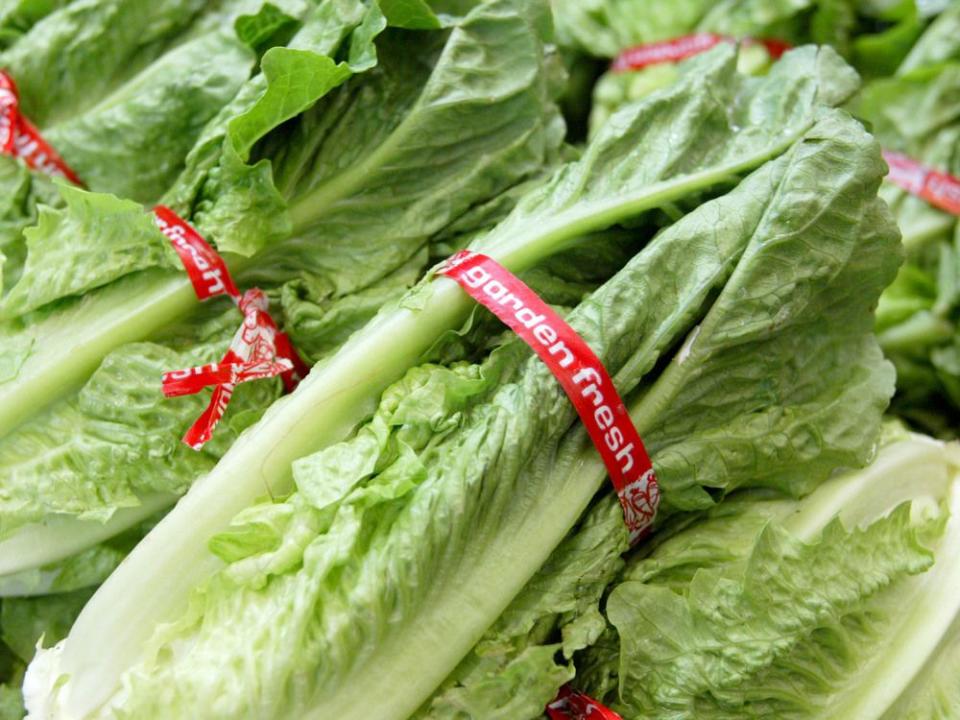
(88, 466)
(745, 328)
(833, 606)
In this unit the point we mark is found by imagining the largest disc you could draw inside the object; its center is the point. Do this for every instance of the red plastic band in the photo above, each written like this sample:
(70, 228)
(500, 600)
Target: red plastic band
(939, 189)
(572, 705)
(580, 373)
(258, 350)
(19, 138)
(641, 56)
(205, 268)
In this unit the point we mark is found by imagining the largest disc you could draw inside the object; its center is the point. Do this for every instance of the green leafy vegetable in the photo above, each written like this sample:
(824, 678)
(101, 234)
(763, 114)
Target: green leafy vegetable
(343, 390)
(832, 606)
(875, 39)
(445, 505)
(917, 113)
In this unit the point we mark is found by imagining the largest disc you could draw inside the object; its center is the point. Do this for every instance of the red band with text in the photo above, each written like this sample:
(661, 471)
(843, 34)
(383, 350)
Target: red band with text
(641, 56)
(258, 350)
(939, 189)
(580, 373)
(19, 138)
(205, 268)
(571, 705)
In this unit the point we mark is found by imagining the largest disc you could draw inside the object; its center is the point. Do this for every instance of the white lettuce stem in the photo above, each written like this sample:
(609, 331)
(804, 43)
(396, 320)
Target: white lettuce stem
(61, 536)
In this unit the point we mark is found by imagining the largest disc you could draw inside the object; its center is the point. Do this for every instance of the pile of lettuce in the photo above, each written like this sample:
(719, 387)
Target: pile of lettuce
(410, 504)
(422, 529)
(874, 36)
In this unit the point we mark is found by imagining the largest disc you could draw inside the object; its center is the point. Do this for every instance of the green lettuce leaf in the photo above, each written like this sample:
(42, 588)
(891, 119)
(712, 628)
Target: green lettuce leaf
(73, 58)
(134, 141)
(24, 621)
(11, 677)
(515, 670)
(18, 16)
(934, 693)
(798, 609)
(22, 192)
(86, 569)
(22, 625)
(111, 238)
(940, 43)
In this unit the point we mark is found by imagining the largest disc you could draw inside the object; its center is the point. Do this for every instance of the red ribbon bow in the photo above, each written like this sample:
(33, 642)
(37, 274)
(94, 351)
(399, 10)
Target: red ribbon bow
(258, 350)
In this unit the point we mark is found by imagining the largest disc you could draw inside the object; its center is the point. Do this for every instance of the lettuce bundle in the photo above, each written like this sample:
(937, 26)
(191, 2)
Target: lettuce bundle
(741, 334)
(422, 529)
(873, 36)
(103, 302)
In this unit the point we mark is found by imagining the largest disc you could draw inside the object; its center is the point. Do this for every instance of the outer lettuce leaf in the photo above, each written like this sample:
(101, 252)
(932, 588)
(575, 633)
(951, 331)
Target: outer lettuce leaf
(73, 58)
(788, 617)
(11, 677)
(935, 692)
(22, 625)
(86, 569)
(802, 615)
(436, 514)
(343, 390)
(18, 16)
(11, 702)
(134, 141)
(111, 238)
(25, 621)
(940, 43)
(21, 193)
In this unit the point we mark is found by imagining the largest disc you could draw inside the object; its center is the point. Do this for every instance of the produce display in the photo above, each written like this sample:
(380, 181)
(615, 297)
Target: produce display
(479, 359)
